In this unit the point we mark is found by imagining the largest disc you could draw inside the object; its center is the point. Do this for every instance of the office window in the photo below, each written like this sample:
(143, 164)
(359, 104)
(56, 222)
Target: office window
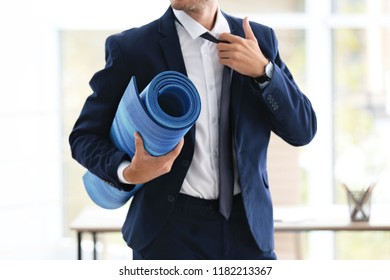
(361, 120)
(360, 115)
(349, 6)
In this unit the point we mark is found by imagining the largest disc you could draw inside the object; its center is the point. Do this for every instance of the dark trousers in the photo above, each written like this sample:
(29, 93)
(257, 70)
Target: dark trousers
(196, 230)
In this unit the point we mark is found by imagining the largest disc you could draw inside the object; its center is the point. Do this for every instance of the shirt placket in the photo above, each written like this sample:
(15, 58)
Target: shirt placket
(212, 101)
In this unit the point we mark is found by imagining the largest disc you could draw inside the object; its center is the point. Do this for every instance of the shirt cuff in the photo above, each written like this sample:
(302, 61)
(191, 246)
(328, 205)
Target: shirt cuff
(121, 168)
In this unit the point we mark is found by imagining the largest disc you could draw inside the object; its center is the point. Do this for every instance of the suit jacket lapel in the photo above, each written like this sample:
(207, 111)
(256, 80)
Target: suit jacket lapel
(170, 47)
(237, 79)
(170, 44)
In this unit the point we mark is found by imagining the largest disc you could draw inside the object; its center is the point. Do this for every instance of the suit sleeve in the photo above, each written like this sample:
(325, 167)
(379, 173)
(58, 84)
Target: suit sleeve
(290, 111)
(89, 139)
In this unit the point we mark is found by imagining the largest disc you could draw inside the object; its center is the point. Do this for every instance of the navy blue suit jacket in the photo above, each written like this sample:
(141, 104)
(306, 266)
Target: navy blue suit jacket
(146, 51)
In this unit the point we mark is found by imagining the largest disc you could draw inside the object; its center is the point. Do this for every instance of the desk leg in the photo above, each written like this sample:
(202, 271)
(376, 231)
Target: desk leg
(298, 245)
(79, 238)
(94, 245)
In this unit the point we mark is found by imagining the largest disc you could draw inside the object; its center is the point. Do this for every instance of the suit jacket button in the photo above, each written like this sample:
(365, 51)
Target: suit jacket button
(171, 198)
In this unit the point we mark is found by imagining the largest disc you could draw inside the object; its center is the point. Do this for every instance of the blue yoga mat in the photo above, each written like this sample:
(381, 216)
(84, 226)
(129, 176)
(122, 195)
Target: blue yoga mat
(163, 113)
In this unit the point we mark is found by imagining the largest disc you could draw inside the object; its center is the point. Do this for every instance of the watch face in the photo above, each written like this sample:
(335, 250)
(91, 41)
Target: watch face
(268, 69)
(267, 74)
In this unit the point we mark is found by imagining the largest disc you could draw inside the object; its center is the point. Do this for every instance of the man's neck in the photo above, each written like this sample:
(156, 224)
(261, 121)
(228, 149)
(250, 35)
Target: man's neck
(205, 16)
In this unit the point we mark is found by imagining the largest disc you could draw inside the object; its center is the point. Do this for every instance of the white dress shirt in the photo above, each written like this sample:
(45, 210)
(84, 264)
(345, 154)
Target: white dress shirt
(205, 71)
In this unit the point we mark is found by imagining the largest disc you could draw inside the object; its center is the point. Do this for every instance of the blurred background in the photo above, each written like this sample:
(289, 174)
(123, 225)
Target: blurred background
(337, 51)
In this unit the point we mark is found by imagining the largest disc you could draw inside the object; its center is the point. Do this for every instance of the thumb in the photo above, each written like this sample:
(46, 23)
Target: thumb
(139, 143)
(248, 30)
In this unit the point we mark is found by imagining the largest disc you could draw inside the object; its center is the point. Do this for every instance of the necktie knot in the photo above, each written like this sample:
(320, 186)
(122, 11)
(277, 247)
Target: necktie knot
(211, 38)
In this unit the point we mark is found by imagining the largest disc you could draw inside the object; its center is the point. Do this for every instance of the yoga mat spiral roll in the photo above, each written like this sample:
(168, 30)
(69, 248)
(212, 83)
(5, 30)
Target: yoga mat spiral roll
(162, 114)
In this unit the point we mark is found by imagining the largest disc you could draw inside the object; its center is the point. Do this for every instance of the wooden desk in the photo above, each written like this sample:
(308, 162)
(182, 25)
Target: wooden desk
(96, 220)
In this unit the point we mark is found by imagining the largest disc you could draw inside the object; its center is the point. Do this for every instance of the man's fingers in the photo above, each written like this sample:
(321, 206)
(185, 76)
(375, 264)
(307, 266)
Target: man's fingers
(139, 143)
(179, 146)
(229, 38)
(248, 30)
(140, 148)
(249, 35)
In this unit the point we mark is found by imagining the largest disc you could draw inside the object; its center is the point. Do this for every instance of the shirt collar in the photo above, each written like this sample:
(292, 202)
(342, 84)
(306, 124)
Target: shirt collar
(195, 29)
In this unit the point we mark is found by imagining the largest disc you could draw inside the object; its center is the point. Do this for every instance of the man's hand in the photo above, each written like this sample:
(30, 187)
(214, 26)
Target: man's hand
(145, 167)
(242, 54)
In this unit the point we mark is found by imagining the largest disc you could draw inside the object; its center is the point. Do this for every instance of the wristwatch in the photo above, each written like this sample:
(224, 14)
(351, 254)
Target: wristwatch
(267, 74)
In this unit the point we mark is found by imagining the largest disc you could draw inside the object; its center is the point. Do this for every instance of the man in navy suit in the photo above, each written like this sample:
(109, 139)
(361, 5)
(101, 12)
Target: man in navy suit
(175, 215)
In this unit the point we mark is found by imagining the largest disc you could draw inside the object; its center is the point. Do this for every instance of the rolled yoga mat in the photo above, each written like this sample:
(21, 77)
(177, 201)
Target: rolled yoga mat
(163, 113)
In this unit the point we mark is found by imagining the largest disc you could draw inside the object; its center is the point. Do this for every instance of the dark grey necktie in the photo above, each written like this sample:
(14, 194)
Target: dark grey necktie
(226, 178)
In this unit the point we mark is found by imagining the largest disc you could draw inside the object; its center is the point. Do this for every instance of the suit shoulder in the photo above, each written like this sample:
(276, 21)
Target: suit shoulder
(262, 27)
(263, 32)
